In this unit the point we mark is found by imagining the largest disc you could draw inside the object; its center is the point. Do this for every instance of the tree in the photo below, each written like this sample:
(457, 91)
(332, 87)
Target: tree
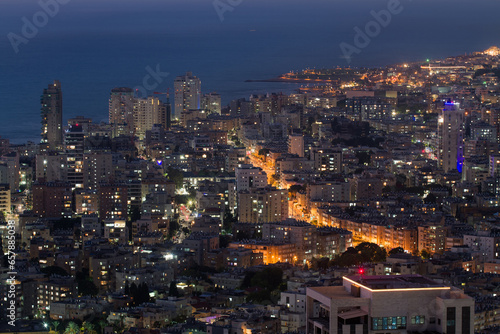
(295, 189)
(118, 326)
(482, 71)
(139, 293)
(135, 214)
(175, 176)
(425, 254)
(349, 258)
(102, 324)
(268, 278)
(72, 328)
(371, 252)
(86, 286)
(321, 263)
(172, 228)
(192, 193)
(133, 289)
(56, 325)
(263, 151)
(89, 328)
(310, 121)
(363, 253)
(67, 223)
(224, 240)
(54, 270)
(364, 157)
(173, 291)
(181, 199)
(180, 319)
(242, 235)
(430, 199)
(78, 233)
(143, 296)
(228, 220)
(265, 282)
(398, 250)
(400, 181)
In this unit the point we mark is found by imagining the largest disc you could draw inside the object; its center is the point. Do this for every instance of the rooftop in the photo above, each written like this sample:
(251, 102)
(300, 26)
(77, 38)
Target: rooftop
(391, 282)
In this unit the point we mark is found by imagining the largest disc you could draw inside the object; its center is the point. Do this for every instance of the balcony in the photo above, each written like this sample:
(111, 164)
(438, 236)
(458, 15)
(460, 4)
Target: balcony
(319, 326)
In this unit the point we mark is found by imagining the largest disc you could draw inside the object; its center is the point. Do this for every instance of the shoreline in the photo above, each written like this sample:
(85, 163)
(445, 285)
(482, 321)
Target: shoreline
(290, 80)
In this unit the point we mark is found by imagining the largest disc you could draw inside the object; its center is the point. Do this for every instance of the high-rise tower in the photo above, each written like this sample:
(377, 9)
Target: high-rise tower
(51, 113)
(74, 141)
(121, 111)
(148, 112)
(187, 93)
(451, 137)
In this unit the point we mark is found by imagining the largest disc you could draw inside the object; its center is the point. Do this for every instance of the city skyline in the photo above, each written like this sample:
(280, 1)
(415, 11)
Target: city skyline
(235, 52)
(249, 167)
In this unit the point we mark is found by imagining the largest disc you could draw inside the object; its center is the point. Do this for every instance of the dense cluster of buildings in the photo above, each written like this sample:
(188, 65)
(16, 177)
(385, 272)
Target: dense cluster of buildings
(163, 218)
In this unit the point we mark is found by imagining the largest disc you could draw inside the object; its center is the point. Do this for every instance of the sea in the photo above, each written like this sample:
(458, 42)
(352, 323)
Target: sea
(92, 46)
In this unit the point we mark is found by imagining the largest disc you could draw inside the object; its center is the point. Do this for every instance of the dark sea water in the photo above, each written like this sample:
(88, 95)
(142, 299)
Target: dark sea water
(92, 46)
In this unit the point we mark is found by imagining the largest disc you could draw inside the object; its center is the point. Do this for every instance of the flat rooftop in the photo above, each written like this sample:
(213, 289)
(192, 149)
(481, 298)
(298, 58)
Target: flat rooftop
(331, 292)
(389, 282)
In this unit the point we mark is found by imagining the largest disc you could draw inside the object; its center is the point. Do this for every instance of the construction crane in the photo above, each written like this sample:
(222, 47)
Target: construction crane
(167, 93)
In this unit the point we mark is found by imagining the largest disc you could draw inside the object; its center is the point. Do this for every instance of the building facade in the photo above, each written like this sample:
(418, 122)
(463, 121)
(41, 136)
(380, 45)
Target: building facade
(51, 112)
(399, 304)
(187, 93)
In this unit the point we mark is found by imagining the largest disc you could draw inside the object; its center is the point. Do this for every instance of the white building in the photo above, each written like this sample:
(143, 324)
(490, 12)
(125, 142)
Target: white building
(378, 304)
(248, 176)
(293, 317)
(187, 93)
(485, 242)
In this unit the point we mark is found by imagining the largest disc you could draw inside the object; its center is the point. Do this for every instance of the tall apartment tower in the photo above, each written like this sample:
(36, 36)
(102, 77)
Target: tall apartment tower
(148, 112)
(296, 144)
(74, 140)
(121, 111)
(51, 112)
(451, 137)
(187, 93)
(211, 103)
